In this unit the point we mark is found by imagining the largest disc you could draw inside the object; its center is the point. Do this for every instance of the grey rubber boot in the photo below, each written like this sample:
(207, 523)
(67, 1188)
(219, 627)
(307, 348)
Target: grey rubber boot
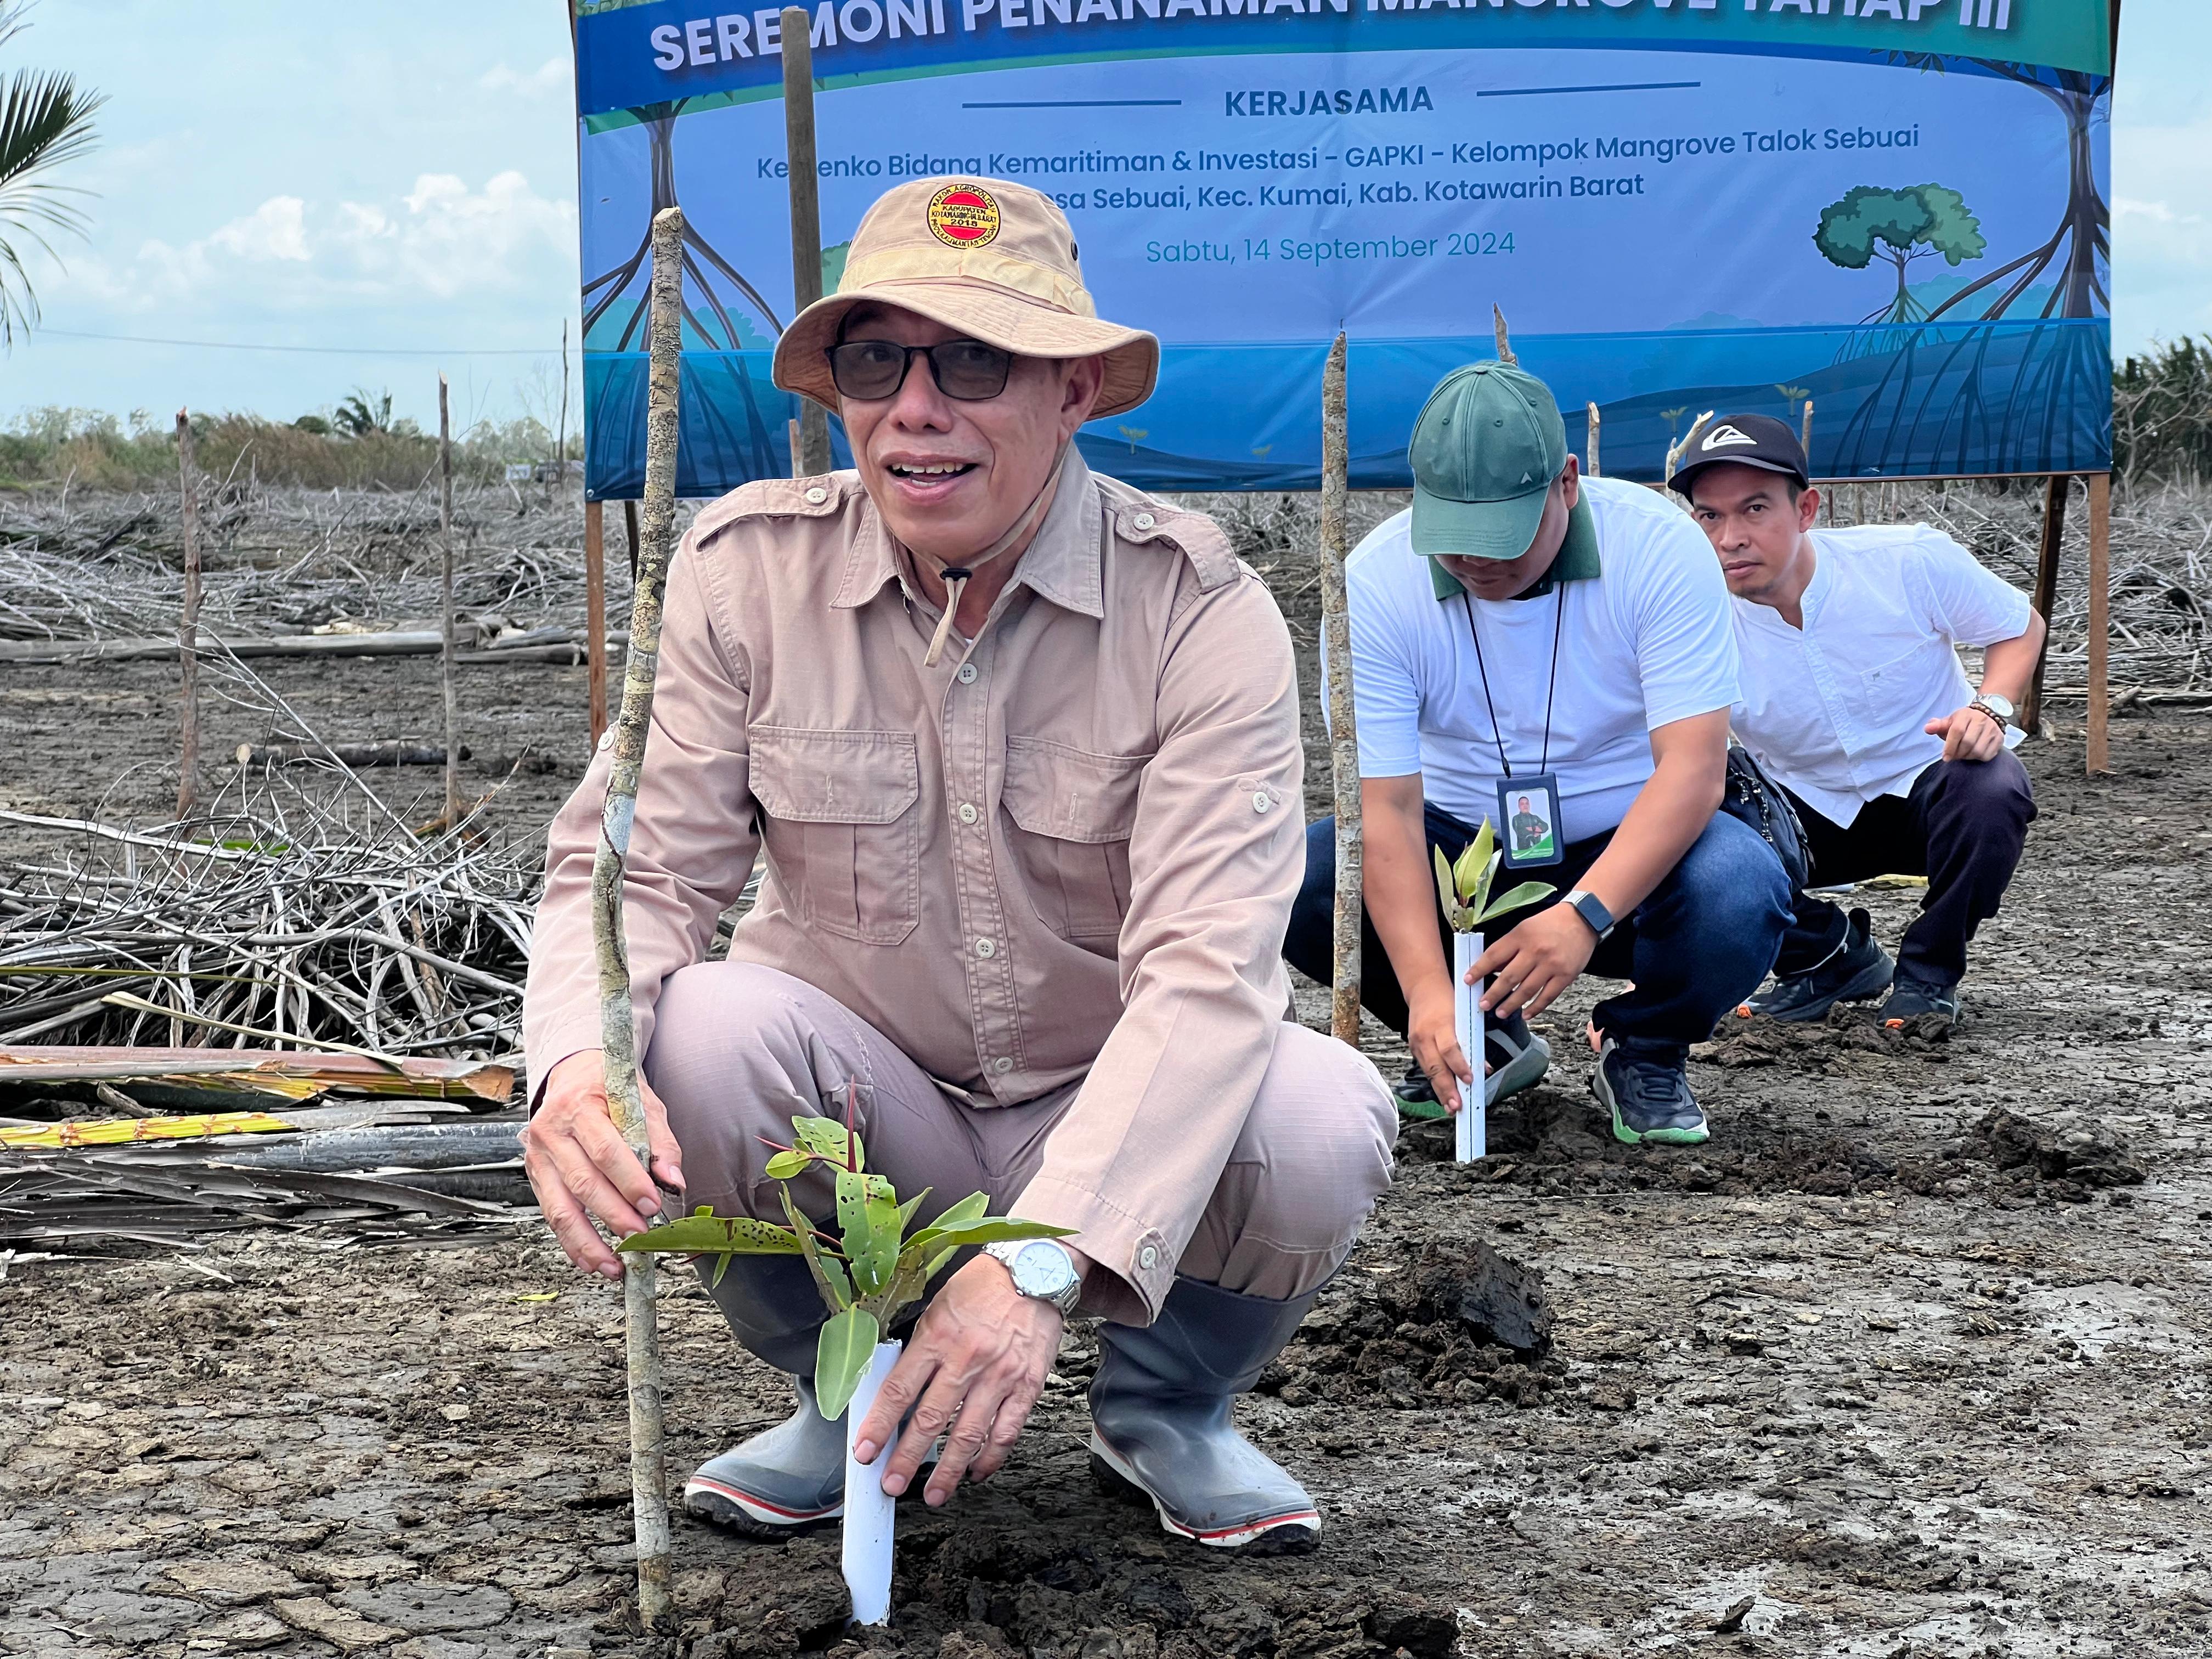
(793, 1474)
(1159, 1417)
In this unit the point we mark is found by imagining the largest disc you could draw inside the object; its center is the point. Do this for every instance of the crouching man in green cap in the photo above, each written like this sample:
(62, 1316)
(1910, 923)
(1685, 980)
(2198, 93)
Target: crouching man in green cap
(1524, 633)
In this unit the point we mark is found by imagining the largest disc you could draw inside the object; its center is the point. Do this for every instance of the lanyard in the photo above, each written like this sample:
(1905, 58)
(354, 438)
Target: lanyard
(1551, 686)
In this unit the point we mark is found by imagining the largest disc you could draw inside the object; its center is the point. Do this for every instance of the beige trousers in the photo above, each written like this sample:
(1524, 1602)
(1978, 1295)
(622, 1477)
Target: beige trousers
(739, 1050)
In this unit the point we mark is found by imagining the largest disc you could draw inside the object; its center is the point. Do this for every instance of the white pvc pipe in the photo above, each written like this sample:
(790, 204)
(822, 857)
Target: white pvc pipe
(868, 1507)
(1471, 1126)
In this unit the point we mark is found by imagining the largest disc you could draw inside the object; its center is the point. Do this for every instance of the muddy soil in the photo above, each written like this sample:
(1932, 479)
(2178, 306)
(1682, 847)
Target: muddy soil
(1911, 1360)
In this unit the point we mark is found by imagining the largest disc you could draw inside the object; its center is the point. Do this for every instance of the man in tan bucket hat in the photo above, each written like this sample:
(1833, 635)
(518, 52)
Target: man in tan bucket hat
(1021, 745)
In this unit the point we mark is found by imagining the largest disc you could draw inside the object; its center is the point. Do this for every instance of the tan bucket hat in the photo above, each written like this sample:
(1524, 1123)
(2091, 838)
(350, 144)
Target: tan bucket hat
(993, 259)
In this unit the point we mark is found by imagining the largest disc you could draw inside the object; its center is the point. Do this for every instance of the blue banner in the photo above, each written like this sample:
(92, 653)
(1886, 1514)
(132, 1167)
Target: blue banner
(1895, 209)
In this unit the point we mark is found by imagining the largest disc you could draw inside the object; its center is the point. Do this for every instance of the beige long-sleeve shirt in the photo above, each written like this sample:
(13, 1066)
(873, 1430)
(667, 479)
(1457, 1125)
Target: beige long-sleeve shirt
(1068, 852)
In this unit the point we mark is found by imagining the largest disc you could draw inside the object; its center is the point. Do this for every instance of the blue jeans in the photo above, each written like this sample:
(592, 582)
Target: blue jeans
(1695, 948)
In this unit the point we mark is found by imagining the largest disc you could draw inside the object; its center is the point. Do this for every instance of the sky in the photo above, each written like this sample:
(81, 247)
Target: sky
(401, 175)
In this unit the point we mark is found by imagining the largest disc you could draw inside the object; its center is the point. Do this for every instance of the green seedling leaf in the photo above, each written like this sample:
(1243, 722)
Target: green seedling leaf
(704, 1233)
(826, 1138)
(1446, 895)
(873, 1271)
(840, 1359)
(837, 1292)
(917, 1249)
(1526, 894)
(996, 1229)
(1481, 897)
(785, 1166)
(907, 1210)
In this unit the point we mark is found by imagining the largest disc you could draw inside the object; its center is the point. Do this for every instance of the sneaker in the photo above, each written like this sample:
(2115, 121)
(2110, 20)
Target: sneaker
(1648, 1101)
(1856, 970)
(1914, 998)
(1517, 1057)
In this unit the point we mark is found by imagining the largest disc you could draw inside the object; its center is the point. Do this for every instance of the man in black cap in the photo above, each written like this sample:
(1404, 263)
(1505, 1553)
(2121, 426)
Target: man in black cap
(1525, 635)
(1852, 697)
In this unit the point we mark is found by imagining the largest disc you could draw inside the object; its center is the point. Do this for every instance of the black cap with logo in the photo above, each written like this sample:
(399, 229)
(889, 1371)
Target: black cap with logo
(1759, 440)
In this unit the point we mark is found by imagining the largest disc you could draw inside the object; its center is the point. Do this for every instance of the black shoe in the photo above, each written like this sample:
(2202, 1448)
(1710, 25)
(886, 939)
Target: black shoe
(1517, 1058)
(1858, 969)
(1648, 1101)
(1914, 998)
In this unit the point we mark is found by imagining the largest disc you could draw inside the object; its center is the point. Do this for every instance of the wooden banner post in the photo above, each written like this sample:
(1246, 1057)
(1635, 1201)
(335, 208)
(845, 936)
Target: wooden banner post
(2046, 591)
(595, 609)
(1343, 733)
(813, 456)
(2100, 757)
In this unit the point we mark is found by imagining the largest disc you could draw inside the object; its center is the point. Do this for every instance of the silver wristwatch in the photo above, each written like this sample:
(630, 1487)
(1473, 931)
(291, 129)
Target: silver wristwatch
(1040, 1268)
(1997, 707)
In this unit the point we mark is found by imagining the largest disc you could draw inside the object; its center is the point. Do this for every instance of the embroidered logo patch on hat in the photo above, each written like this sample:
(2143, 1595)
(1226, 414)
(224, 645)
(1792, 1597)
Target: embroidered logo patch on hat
(1727, 437)
(963, 216)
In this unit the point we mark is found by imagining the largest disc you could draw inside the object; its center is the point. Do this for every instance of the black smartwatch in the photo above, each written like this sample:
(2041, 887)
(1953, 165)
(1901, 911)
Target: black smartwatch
(1592, 911)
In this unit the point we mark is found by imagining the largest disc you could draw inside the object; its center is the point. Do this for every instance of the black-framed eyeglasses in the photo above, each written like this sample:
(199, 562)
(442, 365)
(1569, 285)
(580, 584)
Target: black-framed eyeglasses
(967, 371)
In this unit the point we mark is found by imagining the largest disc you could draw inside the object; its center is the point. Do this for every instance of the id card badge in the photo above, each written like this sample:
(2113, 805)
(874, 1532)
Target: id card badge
(1528, 820)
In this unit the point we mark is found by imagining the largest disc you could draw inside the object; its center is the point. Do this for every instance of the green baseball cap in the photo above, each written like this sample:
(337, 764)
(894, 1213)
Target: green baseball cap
(1487, 445)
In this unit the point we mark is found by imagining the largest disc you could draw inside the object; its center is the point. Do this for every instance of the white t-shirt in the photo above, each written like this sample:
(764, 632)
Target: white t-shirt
(1644, 643)
(1835, 710)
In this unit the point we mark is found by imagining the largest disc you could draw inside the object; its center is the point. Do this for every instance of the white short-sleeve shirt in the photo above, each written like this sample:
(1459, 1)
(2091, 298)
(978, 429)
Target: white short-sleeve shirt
(1836, 709)
(1646, 643)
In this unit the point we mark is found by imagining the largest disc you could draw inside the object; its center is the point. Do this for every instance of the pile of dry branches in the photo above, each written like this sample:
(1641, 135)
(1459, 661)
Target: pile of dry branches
(278, 920)
(95, 565)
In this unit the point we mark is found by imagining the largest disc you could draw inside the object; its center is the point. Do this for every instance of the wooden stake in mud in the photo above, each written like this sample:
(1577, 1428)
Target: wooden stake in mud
(1805, 433)
(2046, 591)
(629, 530)
(812, 455)
(1343, 732)
(2101, 622)
(595, 611)
(1591, 446)
(188, 629)
(1504, 337)
(1676, 452)
(798, 450)
(453, 814)
(617, 1017)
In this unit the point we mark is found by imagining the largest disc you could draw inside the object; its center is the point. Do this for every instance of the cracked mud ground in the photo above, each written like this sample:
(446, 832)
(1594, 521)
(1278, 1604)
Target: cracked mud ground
(1875, 1373)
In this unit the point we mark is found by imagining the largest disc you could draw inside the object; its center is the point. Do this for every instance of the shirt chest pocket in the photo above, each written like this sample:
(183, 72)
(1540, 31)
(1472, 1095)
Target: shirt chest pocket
(841, 827)
(1071, 813)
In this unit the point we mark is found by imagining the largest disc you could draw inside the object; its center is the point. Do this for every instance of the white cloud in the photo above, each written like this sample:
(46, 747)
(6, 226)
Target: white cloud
(439, 241)
(551, 75)
(2161, 241)
(277, 229)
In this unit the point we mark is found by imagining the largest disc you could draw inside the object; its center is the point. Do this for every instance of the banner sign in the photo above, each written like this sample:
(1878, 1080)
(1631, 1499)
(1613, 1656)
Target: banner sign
(1895, 209)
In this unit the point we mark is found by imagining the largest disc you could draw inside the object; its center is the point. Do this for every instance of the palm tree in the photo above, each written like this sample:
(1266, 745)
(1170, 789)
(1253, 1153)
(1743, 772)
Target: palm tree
(46, 119)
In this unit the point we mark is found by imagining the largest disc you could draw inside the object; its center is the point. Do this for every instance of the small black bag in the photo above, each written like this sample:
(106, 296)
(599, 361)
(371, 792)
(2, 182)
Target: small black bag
(1755, 798)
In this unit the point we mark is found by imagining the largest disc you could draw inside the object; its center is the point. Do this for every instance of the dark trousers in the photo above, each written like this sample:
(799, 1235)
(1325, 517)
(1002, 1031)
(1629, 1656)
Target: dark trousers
(1962, 825)
(1696, 947)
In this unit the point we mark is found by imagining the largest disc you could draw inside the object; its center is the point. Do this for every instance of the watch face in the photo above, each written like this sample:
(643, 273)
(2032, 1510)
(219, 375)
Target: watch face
(1042, 1269)
(2001, 706)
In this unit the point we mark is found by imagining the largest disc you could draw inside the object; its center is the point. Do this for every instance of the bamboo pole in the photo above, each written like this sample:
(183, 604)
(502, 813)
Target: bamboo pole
(453, 813)
(813, 456)
(2101, 622)
(2046, 590)
(595, 609)
(1591, 445)
(188, 627)
(619, 1025)
(1343, 732)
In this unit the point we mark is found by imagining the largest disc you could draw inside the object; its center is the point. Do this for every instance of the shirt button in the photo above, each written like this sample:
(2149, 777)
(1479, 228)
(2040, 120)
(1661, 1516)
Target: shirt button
(967, 675)
(987, 947)
(1148, 1258)
(1143, 521)
(607, 738)
(967, 813)
(1261, 803)
(816, 495)
(1002, 1064)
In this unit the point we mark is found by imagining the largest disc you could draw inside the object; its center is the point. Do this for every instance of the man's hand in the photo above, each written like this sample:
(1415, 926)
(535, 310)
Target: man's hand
(580, 1167)
(1534, 962)
(977, 1361)
(1970, 734)
(1432, 1033)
